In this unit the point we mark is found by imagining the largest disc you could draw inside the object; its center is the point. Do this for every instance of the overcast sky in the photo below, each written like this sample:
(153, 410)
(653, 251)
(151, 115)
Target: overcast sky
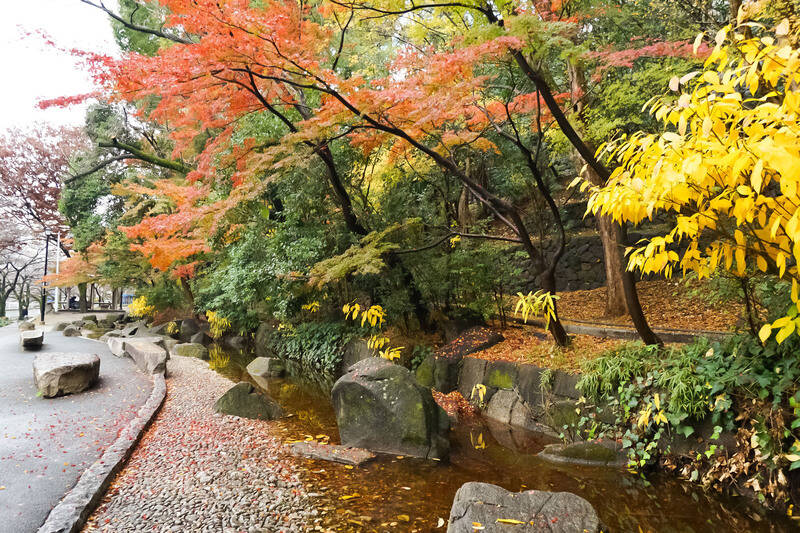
(33, 70)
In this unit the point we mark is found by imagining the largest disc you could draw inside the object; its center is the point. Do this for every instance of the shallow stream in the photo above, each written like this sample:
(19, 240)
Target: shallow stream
(404, 494)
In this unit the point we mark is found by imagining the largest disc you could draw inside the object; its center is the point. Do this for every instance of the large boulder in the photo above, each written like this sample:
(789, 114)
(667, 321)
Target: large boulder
(60, 326)
(132, 329)
(243, 400)
(493, 509)
(201, 337)
(114, 317)
(381, 407)
(72, 331)
(190, 349)
(109, 334)
(90, 318)
(189, 326)
(117, 345)
(148, 356)
(27, 325)
(262, 341)
(31, 339)
(354, 351)
(64, 373)
(263, 368)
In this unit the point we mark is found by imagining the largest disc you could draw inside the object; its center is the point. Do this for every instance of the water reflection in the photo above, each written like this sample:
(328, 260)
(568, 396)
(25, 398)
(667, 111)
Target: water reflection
(405, 494)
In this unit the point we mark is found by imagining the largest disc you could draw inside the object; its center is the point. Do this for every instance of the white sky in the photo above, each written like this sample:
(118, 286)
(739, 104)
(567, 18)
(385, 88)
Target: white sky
(32, 70)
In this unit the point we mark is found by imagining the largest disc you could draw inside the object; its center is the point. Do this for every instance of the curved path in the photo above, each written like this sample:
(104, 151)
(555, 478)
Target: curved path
(46, 444)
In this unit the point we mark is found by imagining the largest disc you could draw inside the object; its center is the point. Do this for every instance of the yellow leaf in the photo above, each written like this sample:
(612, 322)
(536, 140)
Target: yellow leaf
(509, 521)
(697, 41)
(764, 332)
(785, 331)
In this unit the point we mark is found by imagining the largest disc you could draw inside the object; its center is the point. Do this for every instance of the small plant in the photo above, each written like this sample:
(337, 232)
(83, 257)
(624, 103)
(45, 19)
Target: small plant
(140, 308)
(218, 324)
(172, 328)
(373, 316)
(419, 354)
(312, 307)
(539, 303)
(478, 390)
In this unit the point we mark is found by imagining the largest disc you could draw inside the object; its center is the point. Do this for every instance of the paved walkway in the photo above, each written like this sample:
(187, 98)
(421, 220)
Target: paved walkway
(45, 444)
(201, 472)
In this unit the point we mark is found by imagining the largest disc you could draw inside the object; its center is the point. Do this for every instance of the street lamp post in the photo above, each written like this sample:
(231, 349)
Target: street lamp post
(56, 295)
(44, 283)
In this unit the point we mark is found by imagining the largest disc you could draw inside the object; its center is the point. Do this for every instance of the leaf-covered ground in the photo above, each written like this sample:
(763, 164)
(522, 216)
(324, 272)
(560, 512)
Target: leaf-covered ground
(525, 345)
(666, 304)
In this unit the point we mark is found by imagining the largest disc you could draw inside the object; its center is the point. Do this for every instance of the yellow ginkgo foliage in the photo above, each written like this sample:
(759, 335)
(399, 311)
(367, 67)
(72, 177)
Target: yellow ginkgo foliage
(727, 166)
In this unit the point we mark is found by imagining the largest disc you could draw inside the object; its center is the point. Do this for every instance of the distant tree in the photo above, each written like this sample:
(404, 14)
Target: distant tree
(32, 165)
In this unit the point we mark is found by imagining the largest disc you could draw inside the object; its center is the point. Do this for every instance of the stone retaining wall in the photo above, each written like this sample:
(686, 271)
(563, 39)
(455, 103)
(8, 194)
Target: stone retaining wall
(522, 395)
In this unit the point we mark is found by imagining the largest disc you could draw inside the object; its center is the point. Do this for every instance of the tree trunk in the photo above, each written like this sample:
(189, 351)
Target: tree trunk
(187, 292)
(632, 297)
(82, 307)
(614, 266)
(555, 327)
(2, 306)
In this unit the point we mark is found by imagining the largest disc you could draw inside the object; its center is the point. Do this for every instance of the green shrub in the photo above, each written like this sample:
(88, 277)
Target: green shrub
(317, 346)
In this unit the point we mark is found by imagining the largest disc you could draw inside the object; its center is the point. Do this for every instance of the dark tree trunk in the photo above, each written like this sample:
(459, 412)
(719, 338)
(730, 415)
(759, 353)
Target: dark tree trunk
(82, 304)
(632, 297)
(555, 327)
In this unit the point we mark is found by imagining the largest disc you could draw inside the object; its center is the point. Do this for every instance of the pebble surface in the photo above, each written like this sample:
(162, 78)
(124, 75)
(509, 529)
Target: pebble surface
(195, 470)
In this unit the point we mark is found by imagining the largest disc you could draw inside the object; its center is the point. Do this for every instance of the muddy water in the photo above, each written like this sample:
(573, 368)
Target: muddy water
(405, 494)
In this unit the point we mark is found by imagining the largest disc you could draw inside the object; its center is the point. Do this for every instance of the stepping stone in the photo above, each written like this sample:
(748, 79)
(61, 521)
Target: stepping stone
(117, 345)
(262, 368)
(27, 325)
(56, 374)
(148, 356)
(72, 331)
(596, 453)
(31, 339)
(332, 452)
(496, 510)
(190, 349)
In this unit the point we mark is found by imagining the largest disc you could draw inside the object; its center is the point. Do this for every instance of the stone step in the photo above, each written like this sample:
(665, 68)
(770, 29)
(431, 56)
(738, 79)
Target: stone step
(332, 452)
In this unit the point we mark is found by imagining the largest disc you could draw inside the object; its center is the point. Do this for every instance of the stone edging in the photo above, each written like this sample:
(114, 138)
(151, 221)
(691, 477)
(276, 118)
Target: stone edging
(71, 513)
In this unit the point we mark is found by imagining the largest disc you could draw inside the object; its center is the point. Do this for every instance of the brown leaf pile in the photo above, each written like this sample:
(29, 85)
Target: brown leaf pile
(666, 304)
(528, 345)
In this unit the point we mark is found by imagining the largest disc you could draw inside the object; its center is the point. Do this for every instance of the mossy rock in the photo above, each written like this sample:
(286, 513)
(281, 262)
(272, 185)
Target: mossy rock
(501, 375)
(600, 453)
(243, 400)
(424, 372)
(90, 318)
(61, 325)
(380, 406)
(189, 349)
(563, 413)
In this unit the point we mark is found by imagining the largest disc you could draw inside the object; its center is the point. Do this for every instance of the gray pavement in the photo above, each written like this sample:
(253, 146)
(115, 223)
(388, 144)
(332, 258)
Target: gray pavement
(46, 444)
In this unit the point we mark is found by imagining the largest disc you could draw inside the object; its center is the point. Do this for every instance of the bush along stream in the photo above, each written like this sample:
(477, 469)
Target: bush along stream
(403, 493)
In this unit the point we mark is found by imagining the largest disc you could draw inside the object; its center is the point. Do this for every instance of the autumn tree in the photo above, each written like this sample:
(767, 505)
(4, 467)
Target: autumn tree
(32, 166)
(724, 167)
